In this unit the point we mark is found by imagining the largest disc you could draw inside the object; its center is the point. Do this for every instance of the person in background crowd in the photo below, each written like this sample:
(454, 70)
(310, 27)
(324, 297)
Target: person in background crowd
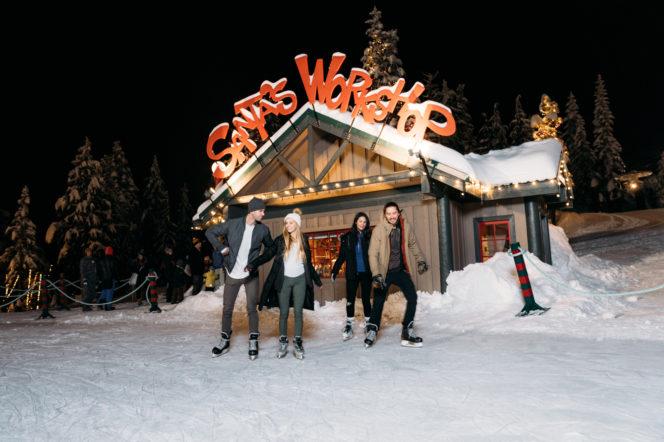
(88, 270)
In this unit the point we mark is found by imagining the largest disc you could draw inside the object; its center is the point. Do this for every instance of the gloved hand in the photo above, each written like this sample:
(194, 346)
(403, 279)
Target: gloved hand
(378, 282)
(225, 251)
(249, 268)
(422, 267)
(85, 283)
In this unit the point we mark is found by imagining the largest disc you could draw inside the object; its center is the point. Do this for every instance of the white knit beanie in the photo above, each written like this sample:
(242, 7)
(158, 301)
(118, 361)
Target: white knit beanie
(295, 217)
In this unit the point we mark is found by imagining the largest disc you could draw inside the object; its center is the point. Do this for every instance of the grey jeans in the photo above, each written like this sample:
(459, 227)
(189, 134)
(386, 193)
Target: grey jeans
(231, 290)
(298, 286)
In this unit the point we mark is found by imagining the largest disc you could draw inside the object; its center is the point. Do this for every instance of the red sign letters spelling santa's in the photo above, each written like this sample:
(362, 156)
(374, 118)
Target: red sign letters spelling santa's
(334, 91)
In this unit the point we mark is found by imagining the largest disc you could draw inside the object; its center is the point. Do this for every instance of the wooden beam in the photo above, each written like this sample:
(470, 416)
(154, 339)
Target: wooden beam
(311, 135)
(331, 162)
(293, 170)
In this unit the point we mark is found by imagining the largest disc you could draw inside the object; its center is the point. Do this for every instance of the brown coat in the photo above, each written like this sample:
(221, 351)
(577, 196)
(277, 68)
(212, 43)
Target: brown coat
(379, 247)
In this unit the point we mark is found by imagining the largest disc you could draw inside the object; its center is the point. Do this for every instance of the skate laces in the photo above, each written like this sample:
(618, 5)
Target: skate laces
(371, 335)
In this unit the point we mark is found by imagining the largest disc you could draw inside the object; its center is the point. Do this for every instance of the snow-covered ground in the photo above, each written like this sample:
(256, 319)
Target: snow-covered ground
(590, 368)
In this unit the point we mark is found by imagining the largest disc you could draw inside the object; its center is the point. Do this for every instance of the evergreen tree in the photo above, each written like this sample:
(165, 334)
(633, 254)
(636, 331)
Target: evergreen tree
(23, 254)
(606, 148)
(158, 229)
(183, 216)
(123, 194)
(520, 130)
(581, 159)
(464, 138)
(380, 58)
(493, 133)
(84, 213)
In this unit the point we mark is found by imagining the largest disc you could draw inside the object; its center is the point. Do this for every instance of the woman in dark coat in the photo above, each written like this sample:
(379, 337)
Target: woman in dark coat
(290, 281)
(353, 250)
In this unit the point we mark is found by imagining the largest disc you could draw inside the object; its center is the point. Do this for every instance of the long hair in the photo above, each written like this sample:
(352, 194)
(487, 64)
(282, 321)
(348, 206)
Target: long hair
(359, 215)
(288, 238)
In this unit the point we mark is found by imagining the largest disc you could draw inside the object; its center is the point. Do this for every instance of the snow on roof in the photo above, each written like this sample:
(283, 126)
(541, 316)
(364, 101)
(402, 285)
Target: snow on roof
(531, 161)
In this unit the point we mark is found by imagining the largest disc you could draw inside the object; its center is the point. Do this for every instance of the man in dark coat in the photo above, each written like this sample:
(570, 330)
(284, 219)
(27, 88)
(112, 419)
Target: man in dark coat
(108, 275)
(244, 236)
(196, 267)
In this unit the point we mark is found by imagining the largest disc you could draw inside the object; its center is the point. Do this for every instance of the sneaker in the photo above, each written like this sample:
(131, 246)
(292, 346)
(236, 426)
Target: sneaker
(348, 330)
(223, 346)
(283, 347)
(298, 351)
(253, 346)
(371, 335)
(409, 338)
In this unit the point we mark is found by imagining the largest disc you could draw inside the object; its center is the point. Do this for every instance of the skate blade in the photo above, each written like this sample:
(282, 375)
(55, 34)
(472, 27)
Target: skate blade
(346, 338)
(411, 344)
(367, 346)
(252, 357)
(281, 355)
(223, 352)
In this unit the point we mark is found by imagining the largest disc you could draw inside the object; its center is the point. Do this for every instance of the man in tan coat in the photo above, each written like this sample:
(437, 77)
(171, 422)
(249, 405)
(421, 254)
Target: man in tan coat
(393, 254)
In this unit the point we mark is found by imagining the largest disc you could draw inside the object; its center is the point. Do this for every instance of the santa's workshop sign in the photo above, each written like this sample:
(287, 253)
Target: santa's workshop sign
(333, 90)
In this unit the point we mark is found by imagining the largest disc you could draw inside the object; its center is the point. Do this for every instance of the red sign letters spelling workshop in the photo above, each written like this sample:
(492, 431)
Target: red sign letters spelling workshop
(334, 91)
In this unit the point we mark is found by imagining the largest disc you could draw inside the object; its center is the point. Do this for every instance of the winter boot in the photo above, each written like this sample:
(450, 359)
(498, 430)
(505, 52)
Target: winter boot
(298, 351)
(253, 346)
(348, 329)
(371, 335)
(223, 346)
(283, 347)
(409, 338)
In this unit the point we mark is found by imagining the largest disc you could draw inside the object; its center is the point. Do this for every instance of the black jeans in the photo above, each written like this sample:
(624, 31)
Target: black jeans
(402, 280)
(364, 281)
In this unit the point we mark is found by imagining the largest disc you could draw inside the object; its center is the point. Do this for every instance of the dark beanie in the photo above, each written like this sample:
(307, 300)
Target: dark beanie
(256, 204)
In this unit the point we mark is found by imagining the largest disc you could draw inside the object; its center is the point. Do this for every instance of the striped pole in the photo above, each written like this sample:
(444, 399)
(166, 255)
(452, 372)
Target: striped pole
(45, 299)
(152, 277)
(526, 289)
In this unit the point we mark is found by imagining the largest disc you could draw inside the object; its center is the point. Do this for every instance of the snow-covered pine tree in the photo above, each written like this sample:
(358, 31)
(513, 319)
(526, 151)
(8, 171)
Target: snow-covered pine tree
(183, 224)
(380, 58)
(606, 148)
(582, 161)
(493, 133)
(157, 227)
(123, 194)
(22, 254)
(434, 92)
(465, 132)
(520, 130)
(84, 216)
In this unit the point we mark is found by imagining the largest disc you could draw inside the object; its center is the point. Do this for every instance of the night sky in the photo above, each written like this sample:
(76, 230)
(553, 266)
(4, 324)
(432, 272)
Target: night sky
(160, 81)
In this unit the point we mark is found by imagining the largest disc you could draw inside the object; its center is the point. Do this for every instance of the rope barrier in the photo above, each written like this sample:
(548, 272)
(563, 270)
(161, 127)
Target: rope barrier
(25, 293)
(103, 303)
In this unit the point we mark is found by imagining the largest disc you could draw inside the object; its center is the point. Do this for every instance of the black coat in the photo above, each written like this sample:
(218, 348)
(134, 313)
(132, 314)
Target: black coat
(275, 279)
(347, 244)
(107, 270)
